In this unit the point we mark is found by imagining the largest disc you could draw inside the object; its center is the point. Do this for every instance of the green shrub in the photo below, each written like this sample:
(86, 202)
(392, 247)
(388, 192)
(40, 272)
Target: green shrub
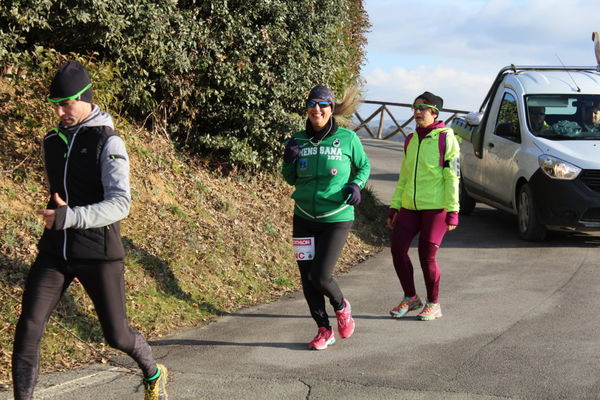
(225, 78)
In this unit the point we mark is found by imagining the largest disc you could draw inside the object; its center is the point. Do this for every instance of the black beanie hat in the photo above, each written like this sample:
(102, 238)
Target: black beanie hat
(432, 99)
(321, 92)
(70, 79)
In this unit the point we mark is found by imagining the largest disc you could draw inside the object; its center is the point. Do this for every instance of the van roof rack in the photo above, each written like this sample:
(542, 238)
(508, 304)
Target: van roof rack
(516, 68)
(519, 68)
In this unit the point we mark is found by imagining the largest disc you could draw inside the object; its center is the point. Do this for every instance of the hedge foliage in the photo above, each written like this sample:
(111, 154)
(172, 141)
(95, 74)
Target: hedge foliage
(223, 77)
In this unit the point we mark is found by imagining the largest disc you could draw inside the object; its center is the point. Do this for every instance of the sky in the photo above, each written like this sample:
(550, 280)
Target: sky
(455, 48)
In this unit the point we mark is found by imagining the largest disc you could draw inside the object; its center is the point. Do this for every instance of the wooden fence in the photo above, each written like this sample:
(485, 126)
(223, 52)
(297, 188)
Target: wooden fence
(383, 109)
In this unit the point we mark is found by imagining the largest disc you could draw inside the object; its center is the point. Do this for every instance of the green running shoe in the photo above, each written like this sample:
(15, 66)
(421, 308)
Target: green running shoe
(406, 305)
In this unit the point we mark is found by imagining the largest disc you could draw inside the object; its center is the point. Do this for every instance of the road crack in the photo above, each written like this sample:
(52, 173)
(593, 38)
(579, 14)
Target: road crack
(309, 388)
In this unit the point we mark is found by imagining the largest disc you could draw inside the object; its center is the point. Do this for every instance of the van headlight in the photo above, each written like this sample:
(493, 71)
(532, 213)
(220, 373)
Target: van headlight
(558, 169)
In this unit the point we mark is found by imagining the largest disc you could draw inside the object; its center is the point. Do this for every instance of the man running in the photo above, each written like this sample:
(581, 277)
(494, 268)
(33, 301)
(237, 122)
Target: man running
(88, 178)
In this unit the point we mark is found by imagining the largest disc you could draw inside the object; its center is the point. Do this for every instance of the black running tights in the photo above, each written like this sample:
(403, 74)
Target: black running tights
(48, 279)
(317, 274)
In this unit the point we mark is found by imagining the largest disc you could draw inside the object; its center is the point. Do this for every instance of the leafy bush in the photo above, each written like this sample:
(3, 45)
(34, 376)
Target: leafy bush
(224, 77)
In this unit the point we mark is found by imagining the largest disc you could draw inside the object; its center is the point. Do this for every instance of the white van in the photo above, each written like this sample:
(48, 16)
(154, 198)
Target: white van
(533, 149)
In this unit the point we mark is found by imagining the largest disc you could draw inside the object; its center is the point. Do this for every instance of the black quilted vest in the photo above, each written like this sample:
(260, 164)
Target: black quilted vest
(75, 175)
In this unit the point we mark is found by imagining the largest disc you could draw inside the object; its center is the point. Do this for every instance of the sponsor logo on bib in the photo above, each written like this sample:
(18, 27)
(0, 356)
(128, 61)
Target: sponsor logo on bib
(304, 248)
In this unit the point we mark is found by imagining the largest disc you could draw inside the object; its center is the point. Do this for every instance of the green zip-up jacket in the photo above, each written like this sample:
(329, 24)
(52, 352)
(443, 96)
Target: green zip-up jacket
(321, 173)
(424, 184)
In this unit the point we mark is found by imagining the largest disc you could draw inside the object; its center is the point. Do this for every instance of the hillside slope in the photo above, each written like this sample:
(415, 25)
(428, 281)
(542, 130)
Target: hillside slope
(198, 243)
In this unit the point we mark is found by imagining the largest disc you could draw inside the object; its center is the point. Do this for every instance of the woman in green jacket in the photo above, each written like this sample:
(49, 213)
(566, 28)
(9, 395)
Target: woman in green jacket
(425, 202)
(328, 167)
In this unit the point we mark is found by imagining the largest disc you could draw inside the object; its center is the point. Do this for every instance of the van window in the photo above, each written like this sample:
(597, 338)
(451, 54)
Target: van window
(507, 124)
(564, 117)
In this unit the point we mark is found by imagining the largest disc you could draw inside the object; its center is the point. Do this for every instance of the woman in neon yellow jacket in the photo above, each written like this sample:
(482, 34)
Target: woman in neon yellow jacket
(328, 167)
(426, 202)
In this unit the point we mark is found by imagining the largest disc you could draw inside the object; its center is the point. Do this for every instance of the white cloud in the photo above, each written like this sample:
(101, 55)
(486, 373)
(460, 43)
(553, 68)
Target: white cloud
(457, 46)
(474, 27)
(460, 90)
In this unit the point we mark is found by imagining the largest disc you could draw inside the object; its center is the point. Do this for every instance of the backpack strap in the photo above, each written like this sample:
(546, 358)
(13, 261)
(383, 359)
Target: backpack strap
(442, 149)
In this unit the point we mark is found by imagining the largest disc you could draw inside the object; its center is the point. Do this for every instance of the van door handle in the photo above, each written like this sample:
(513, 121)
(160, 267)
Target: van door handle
(490, 145)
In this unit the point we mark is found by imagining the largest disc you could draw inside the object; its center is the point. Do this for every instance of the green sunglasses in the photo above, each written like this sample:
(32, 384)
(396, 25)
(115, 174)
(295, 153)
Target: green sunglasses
(76, 95)
(423, 107)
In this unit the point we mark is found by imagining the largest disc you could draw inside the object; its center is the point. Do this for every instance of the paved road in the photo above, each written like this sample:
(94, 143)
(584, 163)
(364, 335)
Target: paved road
(520, 321)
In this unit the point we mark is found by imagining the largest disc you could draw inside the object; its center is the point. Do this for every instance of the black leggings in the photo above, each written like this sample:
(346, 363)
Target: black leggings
(316, 274)
(48, 279)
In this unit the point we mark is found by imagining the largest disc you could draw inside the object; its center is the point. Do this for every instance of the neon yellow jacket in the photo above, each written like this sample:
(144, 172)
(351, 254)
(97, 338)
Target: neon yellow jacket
(424, 184)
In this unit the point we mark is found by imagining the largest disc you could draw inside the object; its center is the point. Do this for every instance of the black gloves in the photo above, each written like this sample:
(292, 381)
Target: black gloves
(352, 192)
(291, 151)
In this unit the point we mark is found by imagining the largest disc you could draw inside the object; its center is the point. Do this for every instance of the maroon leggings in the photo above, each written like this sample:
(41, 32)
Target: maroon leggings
(431, 226)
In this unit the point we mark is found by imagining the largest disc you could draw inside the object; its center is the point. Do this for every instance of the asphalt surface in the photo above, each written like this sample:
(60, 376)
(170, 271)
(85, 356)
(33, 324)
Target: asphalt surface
(520, 321)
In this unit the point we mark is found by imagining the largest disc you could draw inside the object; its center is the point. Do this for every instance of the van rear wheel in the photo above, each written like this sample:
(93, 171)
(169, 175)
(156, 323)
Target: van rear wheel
(530, 228)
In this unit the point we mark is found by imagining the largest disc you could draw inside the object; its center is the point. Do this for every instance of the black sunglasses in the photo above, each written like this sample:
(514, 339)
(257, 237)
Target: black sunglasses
(321, 104)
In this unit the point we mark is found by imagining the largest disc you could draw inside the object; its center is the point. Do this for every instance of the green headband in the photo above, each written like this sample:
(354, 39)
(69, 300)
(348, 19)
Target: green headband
(76, 95)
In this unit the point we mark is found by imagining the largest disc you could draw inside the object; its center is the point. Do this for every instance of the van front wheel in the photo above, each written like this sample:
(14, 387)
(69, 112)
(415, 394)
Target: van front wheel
(530, 228)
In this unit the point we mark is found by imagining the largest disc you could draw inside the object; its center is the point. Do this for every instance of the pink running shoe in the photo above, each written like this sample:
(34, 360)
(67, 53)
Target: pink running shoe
(345, 320)
(323, 339)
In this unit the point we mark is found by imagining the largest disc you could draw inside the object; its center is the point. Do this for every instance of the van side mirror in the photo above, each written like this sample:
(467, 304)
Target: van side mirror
(474, 118)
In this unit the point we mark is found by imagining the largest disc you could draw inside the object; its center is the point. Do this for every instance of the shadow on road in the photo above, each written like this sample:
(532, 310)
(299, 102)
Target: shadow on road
(194, 342)
(263, 315)
(489, 228)
(288, 345)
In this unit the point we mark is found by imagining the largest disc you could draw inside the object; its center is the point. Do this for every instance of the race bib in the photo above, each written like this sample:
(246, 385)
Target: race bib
(304, 248)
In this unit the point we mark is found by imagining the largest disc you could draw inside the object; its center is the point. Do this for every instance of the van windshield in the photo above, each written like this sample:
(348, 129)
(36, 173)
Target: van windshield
(564, 117)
